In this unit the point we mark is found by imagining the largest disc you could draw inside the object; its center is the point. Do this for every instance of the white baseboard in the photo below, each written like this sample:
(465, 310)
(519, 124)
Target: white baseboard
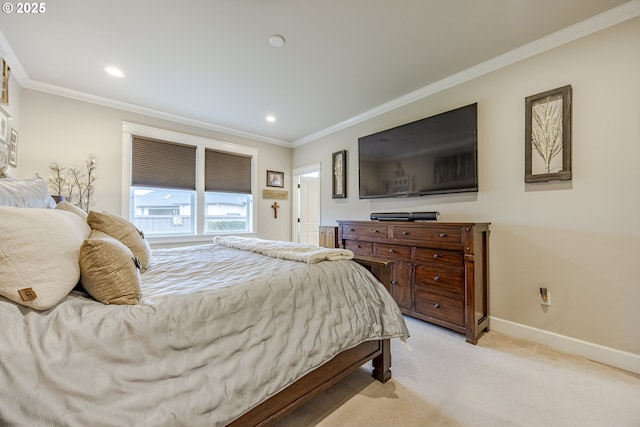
(609, 356)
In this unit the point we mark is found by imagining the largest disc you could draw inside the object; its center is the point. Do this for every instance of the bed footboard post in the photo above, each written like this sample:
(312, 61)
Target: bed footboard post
(381, 269)
(382, 363)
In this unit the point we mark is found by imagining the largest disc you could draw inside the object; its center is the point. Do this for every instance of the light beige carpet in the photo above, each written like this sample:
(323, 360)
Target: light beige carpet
(502, 381)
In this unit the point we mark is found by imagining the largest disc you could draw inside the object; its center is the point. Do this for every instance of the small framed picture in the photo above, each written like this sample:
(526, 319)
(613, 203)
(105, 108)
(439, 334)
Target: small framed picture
(4, 96)
(4, 126)
(13, 148)
(339, 163)
(4, 157)
(275, 179)
(547, 142)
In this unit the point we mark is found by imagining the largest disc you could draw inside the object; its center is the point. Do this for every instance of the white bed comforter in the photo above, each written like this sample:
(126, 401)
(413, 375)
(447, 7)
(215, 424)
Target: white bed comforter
(217, 331)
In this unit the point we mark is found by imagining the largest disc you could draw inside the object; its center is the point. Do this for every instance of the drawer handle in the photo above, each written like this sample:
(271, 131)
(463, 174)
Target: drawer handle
(352, 229)
(376, 231)
(405, 233)
(443, 235)
(392, 251)
(394, 282)
(436, 305)
(358, 247)
(436, 279)
(436, 256)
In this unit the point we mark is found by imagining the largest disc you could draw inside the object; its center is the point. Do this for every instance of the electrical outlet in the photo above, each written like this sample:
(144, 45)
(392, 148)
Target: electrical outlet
(545, 296)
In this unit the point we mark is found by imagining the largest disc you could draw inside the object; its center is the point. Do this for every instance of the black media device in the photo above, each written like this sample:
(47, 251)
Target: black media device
(434, 155)
(404, 216)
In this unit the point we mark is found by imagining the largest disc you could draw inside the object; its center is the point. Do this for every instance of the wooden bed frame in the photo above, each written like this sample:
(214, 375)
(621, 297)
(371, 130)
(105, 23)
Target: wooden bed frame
(309, 386)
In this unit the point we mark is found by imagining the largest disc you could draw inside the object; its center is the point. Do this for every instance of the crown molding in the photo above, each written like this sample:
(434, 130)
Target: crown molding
(107, 102)
(584, 28)
(17, 71)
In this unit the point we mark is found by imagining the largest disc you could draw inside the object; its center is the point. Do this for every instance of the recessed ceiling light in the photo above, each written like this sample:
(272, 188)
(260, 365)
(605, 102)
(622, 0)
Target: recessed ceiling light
(270, 118)
(113, 71)
(276, 40)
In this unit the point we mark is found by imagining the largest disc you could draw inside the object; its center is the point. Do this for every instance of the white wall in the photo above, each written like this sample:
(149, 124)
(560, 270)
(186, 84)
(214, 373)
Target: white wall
(58, 129)
(579, 239)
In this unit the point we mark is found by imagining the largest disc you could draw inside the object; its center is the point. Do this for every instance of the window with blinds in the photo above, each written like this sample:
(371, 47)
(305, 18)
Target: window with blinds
(227, 186)
(162, 164)
(227, 172)
(165, 188)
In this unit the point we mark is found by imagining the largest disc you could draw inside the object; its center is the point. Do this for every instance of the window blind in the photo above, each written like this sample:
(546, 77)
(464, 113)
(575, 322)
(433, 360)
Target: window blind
(162, 164)
(227, 172)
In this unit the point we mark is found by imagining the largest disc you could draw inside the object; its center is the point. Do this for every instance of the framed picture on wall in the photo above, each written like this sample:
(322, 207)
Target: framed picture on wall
(4, 126)
(339, 163)
(4, 96)
(13, 148)
(4, 157)
(547, 145)
(275, 179)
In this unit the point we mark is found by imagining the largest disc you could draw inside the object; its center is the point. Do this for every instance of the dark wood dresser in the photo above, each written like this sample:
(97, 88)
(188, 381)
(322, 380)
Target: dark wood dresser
(440, 270)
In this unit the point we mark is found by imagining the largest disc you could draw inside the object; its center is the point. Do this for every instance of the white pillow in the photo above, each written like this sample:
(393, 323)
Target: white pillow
(25, 193)
(40, 255)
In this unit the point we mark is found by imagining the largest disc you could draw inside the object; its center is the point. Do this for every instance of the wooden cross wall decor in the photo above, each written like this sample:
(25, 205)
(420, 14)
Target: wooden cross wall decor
(275, 207)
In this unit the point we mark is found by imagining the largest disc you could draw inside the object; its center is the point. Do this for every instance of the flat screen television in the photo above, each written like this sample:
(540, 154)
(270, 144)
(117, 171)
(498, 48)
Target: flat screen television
(434, 155)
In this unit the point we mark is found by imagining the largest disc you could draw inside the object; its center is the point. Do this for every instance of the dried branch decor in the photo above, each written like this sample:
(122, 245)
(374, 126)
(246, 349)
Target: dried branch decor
(75, 184)
(546, 133)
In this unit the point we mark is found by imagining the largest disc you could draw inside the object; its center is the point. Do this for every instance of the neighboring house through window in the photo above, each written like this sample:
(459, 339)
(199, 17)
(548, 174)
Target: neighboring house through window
(181, 185)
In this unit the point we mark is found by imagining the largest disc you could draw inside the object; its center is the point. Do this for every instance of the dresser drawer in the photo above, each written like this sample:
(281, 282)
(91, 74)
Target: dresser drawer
(392, 251)
(431, 234)
(439, 257)
(440, 306)
(365, 230)
(359, 248)
(445, 279)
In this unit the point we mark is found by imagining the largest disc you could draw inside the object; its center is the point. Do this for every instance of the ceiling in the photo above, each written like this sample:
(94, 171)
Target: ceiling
(210, 63)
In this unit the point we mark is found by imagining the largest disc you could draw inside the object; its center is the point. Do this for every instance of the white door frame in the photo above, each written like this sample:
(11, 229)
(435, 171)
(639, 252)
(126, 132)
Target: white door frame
(295, 174)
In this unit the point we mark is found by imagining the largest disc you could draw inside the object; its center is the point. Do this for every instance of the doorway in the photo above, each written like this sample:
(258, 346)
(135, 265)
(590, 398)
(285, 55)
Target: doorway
(306, 204)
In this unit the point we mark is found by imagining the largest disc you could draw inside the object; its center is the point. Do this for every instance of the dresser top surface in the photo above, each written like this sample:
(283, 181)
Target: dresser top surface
(416, 223)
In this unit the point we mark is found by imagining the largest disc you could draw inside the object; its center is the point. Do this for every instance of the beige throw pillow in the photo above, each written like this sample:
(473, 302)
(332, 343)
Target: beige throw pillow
(123, 230)
(39, 255)
(109, 270)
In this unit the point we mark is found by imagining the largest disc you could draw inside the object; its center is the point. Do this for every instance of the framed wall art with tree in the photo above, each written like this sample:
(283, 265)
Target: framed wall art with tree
(339, 167)
(547, 146)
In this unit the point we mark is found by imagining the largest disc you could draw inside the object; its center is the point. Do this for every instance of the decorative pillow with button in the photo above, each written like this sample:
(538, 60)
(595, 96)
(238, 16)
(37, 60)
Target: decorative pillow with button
(123, 230)
(109, 271)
